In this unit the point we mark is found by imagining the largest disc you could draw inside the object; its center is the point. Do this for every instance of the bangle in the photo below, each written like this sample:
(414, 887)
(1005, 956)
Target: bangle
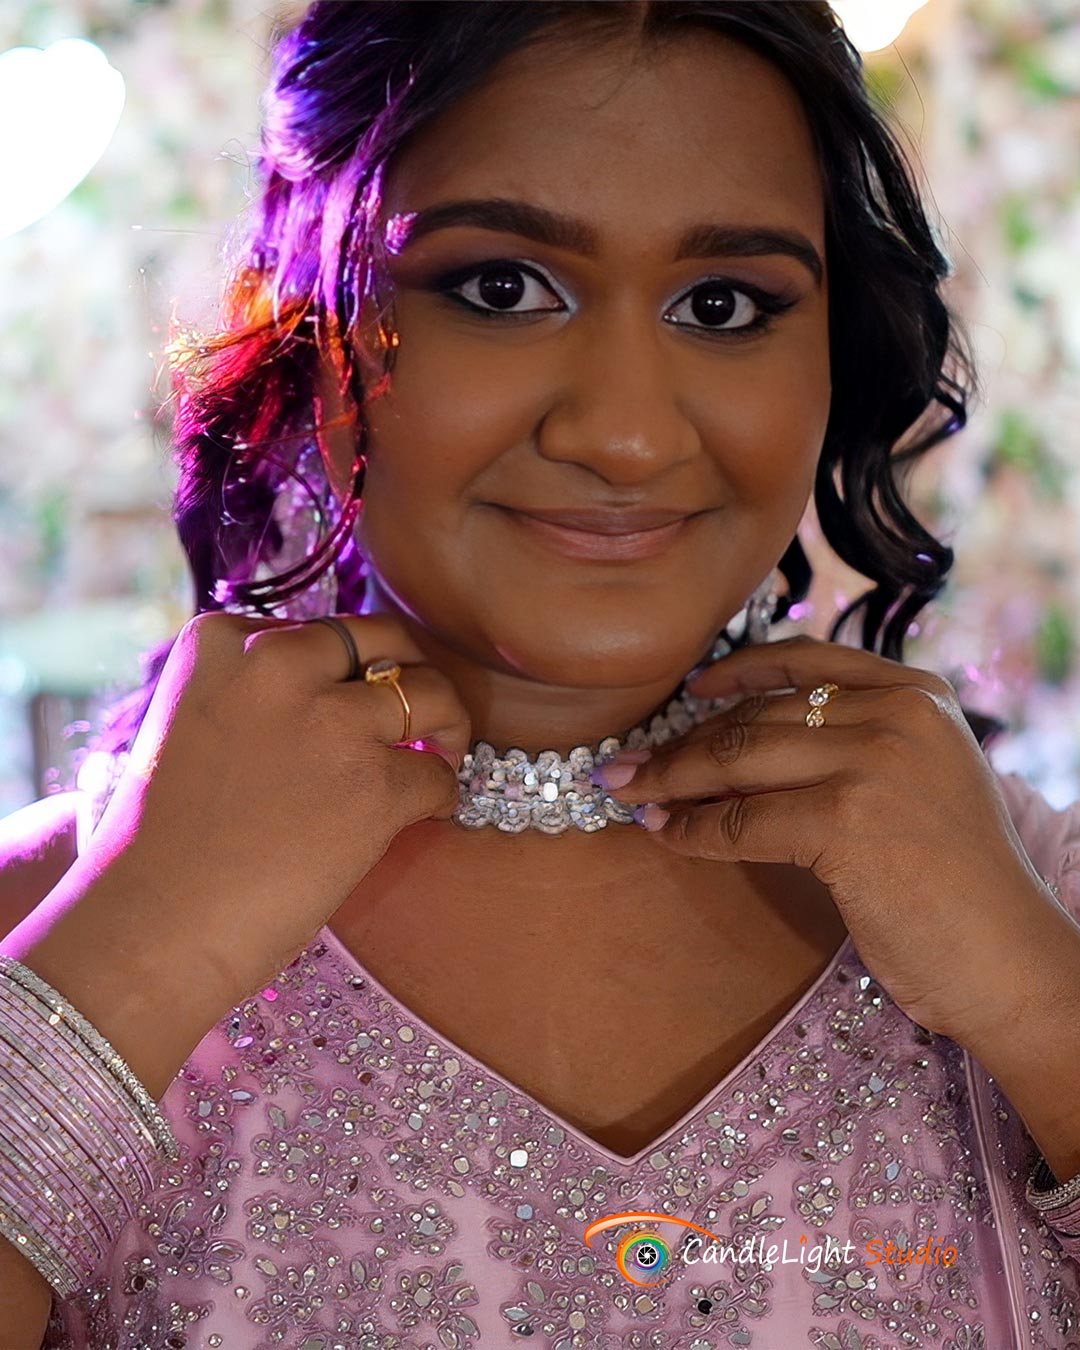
(1046, 1193)
(59, 1009)
(80, 1136)
(1058, 1204)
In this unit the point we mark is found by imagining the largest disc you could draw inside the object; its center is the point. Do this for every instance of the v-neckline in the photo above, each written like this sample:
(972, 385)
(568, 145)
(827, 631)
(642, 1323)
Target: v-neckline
(346, 959)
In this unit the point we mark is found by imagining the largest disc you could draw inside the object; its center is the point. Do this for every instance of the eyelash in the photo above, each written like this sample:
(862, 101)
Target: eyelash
(769, 303)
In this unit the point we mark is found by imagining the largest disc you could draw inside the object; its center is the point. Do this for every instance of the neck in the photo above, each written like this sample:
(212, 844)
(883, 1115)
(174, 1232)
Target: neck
(544, 712)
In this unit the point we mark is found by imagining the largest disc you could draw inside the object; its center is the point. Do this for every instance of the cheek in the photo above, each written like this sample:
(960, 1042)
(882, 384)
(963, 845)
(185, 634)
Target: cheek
(424, 462)
(446, 420)
(460, 385)
(767, 425)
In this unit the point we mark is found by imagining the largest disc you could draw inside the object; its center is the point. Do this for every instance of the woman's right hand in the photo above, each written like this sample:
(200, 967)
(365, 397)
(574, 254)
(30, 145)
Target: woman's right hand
(263, 785)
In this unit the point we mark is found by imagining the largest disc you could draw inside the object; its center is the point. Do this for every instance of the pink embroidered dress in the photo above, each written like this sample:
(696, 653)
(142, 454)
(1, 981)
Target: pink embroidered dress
(350, 1179)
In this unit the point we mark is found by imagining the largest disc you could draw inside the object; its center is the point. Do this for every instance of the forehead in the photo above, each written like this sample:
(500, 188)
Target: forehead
(638, 142)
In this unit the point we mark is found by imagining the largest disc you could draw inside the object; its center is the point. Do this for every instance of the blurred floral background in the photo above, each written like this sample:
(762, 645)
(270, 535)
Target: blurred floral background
(987, 97)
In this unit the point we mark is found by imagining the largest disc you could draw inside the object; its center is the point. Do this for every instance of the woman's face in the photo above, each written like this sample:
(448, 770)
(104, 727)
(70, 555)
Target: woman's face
(618, 375)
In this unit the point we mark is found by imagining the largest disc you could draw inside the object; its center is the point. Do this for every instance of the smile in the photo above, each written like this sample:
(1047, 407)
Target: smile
(572, 543)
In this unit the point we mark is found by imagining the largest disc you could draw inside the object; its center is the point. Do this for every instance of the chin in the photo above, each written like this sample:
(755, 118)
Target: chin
(601, 671)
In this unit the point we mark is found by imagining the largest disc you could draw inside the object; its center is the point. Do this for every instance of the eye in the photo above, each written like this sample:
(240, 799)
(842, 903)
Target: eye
(723, 309)
(730, 309)
(502, 285)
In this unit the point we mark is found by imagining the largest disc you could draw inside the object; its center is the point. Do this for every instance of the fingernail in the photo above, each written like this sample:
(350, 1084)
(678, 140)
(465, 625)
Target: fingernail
(614, 775)
(451, 756)
(607, 775)
(653, 816)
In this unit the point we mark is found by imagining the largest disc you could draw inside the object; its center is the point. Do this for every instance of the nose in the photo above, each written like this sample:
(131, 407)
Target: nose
(618, 409)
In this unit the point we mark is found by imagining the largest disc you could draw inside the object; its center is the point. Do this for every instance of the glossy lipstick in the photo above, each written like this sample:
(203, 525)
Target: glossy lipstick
(586, 544)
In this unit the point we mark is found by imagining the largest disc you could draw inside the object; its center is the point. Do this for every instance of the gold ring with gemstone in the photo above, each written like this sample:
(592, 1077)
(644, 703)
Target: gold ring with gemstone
(817, 698)
(385, 671)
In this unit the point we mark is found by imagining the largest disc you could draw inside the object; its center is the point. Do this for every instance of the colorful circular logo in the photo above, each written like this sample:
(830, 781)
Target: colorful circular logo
(643, 1257)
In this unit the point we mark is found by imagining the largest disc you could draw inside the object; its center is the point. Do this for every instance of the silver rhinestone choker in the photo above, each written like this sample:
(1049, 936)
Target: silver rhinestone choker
(551, 793)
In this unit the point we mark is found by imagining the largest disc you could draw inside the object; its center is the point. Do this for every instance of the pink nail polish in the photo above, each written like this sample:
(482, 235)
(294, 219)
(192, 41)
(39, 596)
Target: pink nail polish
(617, 775)
(654, 817)
(631, 757)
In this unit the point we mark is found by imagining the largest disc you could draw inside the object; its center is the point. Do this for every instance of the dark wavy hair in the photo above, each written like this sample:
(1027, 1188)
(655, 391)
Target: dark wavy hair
(349, 84)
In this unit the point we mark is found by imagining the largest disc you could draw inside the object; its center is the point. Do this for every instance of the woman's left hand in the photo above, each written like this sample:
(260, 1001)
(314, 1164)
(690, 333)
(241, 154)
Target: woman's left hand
(891, 804)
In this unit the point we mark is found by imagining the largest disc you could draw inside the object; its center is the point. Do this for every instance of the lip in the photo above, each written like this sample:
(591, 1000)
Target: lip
(588, 544)
(610, 521)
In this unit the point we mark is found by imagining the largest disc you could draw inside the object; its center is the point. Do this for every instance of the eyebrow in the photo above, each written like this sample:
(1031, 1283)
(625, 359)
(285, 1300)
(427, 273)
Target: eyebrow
(707, 240)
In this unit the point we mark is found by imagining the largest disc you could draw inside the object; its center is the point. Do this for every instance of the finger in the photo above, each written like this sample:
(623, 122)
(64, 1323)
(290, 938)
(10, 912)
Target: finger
(715, 741)
(439, 719)
(319, 652)
(787, 705)
(781, 827)
(804, 661)
(742, 757)
(434, 710)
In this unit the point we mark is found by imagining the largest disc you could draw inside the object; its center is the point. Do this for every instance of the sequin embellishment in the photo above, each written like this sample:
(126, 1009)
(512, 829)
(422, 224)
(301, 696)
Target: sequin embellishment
(349, 1181)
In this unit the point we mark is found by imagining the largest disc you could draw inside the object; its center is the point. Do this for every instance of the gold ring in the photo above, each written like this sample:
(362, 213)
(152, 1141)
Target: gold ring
(817, 697)
(385, 671)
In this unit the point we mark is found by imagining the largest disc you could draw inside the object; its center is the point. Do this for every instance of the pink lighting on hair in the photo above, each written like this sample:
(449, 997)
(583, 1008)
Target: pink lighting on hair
(396, 234)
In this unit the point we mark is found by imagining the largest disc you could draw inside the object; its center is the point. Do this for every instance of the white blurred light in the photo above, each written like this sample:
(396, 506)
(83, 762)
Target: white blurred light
(93, 773)
(59, 109)
(873, 24)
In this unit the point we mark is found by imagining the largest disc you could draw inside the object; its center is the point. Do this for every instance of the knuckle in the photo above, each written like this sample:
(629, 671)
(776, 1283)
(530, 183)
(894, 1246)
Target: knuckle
(885, 737)
(258, 644)
(680, 827)
(205, 648)
(753, 705)
(664, 775)
(214, 625)
(733, 819)
(197, 632)
(206, 620)
(212, 635)
(727, 743)
(931, 682)
(261, 658)
(942, 687)
(918, 700)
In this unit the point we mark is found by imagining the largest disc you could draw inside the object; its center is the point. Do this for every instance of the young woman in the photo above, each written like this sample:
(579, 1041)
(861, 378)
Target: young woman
(427, 1022)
